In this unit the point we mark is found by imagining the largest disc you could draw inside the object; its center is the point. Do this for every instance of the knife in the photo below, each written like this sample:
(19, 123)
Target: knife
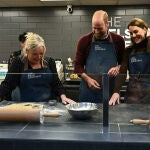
(140, 121)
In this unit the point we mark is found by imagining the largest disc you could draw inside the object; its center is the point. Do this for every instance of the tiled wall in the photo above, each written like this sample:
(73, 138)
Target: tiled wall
(60, 29)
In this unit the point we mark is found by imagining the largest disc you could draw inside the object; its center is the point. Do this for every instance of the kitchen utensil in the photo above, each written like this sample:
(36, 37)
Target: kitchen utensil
(83, 110)
(140, 121)
(25, 112)
(21, 112)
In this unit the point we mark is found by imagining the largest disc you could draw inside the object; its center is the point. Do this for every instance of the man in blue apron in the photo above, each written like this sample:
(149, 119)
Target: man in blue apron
(97, 54)
(101, 58)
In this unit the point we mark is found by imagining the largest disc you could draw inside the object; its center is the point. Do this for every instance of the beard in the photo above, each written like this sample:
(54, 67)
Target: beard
(101, 35)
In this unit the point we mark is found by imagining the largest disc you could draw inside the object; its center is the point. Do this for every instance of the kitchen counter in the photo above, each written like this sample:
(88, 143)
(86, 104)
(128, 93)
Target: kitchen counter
(66, 133)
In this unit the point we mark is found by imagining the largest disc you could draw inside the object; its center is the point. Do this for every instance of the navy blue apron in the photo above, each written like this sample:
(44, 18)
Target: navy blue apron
(35, 85)
(138, 90)
(101, 58)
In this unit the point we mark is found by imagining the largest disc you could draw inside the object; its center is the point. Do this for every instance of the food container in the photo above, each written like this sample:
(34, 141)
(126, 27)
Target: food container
(83, 110)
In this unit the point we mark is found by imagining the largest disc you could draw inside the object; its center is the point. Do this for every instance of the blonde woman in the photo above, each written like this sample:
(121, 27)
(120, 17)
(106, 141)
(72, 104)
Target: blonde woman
(34, 74)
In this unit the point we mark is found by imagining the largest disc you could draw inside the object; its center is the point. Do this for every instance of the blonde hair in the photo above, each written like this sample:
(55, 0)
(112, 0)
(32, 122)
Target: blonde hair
(138, 22)
(33, 41)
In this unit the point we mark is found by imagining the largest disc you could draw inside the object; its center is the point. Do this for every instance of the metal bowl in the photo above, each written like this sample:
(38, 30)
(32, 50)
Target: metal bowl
(83, 110)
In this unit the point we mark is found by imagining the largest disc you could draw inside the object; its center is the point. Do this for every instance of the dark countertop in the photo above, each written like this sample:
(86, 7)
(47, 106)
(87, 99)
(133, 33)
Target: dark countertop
(66, 133)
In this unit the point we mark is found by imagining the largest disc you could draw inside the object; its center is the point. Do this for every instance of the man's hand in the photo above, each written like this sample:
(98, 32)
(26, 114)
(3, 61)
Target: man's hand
(93, 84)
(114, 70)
(115, 99)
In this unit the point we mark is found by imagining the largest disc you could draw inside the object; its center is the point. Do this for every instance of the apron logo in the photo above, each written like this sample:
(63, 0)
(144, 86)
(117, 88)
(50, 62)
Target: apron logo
(33, 75)
(99, 48)
(134, 60)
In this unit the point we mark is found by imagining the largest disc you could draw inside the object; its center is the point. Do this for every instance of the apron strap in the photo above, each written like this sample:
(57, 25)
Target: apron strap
(109, 38)
(26, 63)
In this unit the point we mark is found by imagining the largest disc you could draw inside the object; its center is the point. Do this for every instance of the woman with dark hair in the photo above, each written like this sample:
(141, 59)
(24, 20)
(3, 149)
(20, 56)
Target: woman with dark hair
(21, 39)
(136, 59)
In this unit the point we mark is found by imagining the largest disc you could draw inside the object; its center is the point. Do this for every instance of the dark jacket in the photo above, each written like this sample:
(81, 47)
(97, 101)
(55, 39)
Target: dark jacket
(13, 56)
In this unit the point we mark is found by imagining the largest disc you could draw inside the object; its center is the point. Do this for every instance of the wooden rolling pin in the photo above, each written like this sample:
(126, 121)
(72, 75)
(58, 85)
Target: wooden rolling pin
(140, 121)
(24, 112)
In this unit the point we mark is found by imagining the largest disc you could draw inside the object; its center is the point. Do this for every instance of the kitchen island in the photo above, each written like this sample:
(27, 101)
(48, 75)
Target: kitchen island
(66, 133)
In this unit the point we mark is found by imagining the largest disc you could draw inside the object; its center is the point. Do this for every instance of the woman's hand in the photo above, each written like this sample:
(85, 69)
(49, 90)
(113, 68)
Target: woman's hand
(148, 33)
(114, 99)
(66, 100)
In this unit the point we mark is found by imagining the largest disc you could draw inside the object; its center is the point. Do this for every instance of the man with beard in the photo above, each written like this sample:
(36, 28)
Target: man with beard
(98, 52)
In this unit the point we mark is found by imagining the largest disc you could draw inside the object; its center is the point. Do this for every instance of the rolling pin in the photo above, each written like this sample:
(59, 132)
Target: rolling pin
(51, 114)
(25, 112)
(140, 121)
